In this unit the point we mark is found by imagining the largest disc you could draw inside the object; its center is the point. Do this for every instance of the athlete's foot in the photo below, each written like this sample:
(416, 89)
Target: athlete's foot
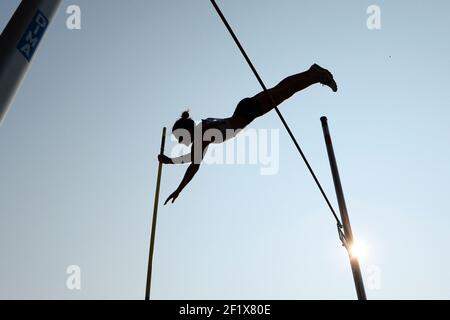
(325, 77)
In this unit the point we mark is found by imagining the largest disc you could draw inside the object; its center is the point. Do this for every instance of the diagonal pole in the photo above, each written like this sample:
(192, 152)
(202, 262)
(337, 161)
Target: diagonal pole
(263, 86)
(154, 221)
(349, 241)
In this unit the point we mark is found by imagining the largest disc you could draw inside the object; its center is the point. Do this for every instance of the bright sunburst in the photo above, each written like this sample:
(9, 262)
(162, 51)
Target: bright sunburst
(359, 250)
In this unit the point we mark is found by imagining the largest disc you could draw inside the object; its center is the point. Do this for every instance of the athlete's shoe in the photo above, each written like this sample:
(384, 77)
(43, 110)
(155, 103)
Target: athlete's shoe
(325, 77)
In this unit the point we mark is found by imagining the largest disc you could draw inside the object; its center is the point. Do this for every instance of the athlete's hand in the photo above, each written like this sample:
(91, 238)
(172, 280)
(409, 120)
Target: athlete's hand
(164, 159)
(172, 197)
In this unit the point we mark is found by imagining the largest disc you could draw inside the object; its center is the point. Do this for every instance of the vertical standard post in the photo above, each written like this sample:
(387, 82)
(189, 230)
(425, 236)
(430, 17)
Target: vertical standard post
(356, 270)
(18, 42)
(155, 216)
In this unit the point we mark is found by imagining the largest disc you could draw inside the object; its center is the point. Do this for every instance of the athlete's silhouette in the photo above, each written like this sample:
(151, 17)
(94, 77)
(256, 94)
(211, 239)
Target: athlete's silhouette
(246, 111)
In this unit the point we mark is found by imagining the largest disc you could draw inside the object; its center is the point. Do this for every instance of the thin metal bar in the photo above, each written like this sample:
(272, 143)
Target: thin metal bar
(236, 40)
(154, 221)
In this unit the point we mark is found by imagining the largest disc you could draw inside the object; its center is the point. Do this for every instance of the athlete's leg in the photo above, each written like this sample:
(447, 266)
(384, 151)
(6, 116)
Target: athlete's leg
(293, 84)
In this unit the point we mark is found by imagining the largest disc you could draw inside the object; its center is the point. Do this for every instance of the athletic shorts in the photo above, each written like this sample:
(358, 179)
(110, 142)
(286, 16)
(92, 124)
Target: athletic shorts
(248, 109)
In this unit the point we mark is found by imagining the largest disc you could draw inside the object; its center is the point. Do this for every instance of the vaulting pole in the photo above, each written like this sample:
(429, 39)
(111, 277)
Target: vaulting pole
(18, 43)
(348, 242)
(155, 216)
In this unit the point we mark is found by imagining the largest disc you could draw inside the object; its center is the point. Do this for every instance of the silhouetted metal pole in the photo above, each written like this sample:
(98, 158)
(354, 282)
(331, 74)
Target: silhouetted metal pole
(18, 43)
(356, 270)
(154, 221)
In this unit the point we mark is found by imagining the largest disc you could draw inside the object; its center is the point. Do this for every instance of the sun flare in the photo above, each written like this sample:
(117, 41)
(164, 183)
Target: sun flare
(359, 250)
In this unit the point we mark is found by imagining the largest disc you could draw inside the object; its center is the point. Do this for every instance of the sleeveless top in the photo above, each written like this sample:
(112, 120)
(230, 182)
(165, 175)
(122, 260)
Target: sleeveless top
(222, 126)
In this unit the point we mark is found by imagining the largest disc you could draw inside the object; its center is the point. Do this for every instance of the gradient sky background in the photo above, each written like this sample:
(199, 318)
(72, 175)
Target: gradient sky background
(78, 153)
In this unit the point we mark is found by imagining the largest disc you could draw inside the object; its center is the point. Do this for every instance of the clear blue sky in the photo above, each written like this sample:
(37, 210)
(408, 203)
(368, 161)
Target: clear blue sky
(78, 153)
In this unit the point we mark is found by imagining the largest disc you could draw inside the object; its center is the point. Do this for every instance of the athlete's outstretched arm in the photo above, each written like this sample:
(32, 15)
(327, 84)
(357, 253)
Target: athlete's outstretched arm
(190, 173)
(186, 158)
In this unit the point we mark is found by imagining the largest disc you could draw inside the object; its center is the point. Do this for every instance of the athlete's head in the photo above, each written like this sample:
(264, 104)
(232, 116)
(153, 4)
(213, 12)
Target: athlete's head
(183, 129)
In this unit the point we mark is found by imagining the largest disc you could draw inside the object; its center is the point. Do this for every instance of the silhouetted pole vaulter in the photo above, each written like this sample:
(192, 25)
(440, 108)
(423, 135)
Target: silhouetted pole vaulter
(154, 221)
(271, 96)
(348, 234)
(18, 43)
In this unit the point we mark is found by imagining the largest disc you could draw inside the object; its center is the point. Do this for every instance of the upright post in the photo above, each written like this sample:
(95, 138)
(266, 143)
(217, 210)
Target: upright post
(348, 241)
(154, 221)
(18, 42)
